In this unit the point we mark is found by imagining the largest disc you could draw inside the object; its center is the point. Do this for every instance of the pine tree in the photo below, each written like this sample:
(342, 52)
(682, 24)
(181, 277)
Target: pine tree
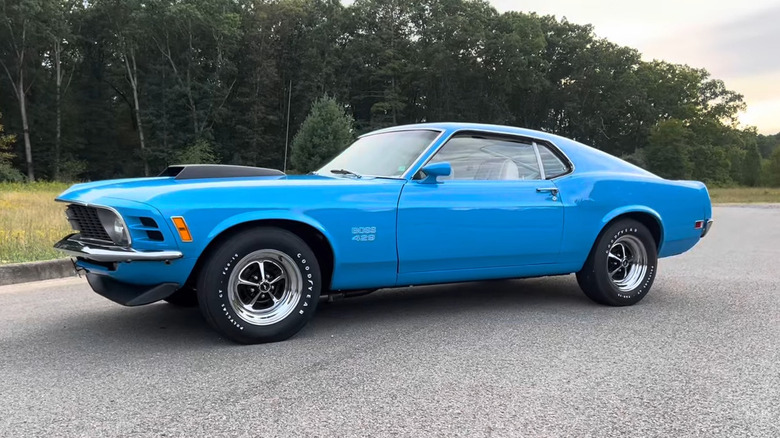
(200, 152)
(326, 131)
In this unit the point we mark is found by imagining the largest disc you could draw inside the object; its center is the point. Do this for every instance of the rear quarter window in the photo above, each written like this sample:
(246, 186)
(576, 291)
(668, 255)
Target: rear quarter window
(553, 166)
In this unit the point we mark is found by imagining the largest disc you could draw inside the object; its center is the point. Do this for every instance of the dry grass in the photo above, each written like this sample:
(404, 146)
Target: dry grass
(30, 221)
(741, 195)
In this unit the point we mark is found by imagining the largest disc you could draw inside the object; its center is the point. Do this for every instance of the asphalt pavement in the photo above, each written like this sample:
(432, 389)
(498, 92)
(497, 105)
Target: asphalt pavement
(697, 357)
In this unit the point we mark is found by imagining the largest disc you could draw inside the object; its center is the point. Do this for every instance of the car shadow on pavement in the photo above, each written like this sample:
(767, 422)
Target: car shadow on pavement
(170, 328)
(489, 299)
(158, 323)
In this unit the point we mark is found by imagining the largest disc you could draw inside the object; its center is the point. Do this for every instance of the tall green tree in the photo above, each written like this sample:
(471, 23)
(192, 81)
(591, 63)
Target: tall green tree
(126, 20)
(772, 172)
(767, 144)
(326, 131)
(751, 166)
(669, 149)
(710, 142)
(62, 58)
(22, 31)
(198, 40)
(379, 57)
(7, 171)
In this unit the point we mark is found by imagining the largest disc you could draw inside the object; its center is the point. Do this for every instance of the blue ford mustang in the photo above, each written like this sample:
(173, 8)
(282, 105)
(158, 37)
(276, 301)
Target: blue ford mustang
(409, 205)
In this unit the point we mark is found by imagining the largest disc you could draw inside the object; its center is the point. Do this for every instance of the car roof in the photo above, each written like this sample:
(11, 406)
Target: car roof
(583, 156)
(458, 126)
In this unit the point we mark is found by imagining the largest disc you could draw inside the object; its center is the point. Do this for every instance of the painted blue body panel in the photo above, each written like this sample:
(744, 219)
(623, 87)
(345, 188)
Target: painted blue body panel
(424, 233)
(454, 225)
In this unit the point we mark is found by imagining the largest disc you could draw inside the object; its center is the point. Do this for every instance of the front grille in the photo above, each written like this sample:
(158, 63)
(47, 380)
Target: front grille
(86, 221)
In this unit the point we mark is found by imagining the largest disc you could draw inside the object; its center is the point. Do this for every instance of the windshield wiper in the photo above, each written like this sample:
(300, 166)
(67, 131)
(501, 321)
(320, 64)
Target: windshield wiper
(345, 172)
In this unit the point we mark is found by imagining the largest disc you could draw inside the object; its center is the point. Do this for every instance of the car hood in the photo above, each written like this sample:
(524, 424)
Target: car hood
(145, 190)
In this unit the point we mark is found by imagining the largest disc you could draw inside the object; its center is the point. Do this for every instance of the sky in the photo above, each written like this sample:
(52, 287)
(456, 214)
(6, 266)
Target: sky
(738, 42)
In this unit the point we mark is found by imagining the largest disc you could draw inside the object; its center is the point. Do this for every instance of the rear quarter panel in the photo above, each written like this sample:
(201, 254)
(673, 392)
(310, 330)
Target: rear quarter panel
(593, 199)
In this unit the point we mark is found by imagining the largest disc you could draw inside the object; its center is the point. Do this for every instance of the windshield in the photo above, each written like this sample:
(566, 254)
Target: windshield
(388, 155)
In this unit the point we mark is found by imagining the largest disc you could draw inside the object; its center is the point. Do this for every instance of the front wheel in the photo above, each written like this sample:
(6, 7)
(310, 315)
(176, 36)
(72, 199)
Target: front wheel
(621, 266)
(262, 285)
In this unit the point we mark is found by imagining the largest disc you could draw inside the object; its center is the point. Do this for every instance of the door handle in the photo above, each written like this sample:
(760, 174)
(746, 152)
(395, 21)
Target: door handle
(551, 190)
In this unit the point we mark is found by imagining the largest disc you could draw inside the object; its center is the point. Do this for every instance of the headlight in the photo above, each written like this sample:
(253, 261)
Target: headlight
(114, 226)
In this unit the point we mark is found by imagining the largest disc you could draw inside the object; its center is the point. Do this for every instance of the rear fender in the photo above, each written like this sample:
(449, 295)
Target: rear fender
(609, 217)
(630, 209)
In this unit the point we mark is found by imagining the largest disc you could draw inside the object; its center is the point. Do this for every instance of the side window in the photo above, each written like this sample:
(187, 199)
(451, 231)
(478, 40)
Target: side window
(553, 166)
(474, 157)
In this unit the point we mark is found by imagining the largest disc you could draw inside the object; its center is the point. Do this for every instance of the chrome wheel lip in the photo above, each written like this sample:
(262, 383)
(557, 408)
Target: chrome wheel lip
(627, 263)
(285, 287)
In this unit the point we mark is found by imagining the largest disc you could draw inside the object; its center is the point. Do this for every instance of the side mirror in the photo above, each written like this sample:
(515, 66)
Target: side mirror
(433, 171)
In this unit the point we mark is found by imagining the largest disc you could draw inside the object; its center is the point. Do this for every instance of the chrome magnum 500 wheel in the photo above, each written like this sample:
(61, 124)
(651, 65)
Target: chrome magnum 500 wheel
(264, 287)
(261, 285)
(621, 266)
(627, 263)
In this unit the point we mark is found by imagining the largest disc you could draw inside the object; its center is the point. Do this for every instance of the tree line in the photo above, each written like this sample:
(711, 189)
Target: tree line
(93, 89)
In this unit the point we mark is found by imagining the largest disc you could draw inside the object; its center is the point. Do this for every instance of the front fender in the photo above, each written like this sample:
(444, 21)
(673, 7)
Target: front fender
(274, 214)
(335, 210)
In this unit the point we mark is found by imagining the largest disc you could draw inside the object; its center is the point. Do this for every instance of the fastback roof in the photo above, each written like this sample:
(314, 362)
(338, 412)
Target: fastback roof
(584, 157)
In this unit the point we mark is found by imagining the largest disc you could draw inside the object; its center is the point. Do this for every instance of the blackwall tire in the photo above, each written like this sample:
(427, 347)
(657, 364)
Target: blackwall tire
(621, 266)
(261, 285)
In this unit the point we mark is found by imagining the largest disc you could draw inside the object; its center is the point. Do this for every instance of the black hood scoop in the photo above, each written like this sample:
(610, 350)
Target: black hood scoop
(200, 171)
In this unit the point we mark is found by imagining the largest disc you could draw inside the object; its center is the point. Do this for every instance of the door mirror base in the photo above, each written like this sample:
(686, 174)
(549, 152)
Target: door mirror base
(434, 171)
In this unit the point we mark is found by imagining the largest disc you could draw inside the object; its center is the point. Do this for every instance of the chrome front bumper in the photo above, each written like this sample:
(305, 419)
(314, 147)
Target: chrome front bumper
(75, 247)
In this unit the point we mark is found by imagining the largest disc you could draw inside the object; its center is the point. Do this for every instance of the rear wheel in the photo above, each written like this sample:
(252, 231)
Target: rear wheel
(261, 285)
(621, 266)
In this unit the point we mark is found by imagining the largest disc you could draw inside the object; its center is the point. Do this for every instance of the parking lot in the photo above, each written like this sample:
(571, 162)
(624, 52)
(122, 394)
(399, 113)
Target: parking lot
(698, 356)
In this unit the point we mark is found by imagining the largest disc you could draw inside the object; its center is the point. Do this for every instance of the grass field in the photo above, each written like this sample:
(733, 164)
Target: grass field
(31, 222)
(739, 195)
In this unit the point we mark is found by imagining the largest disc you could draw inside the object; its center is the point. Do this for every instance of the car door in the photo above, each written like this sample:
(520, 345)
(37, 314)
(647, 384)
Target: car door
(495, 210)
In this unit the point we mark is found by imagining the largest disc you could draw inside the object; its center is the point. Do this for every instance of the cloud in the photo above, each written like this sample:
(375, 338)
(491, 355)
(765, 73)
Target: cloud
(743, 47)
(742, 51)
(749, 45)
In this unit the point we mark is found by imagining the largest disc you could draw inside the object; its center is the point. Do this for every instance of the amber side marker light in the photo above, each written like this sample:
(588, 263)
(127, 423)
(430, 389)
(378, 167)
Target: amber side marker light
(181, 227)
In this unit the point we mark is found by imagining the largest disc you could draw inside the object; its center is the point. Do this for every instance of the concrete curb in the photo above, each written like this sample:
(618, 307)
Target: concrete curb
(35, 271)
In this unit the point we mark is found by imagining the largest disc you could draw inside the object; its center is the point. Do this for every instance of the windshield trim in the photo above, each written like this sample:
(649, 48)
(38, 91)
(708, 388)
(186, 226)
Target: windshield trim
(414, 167)
(406, 128)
